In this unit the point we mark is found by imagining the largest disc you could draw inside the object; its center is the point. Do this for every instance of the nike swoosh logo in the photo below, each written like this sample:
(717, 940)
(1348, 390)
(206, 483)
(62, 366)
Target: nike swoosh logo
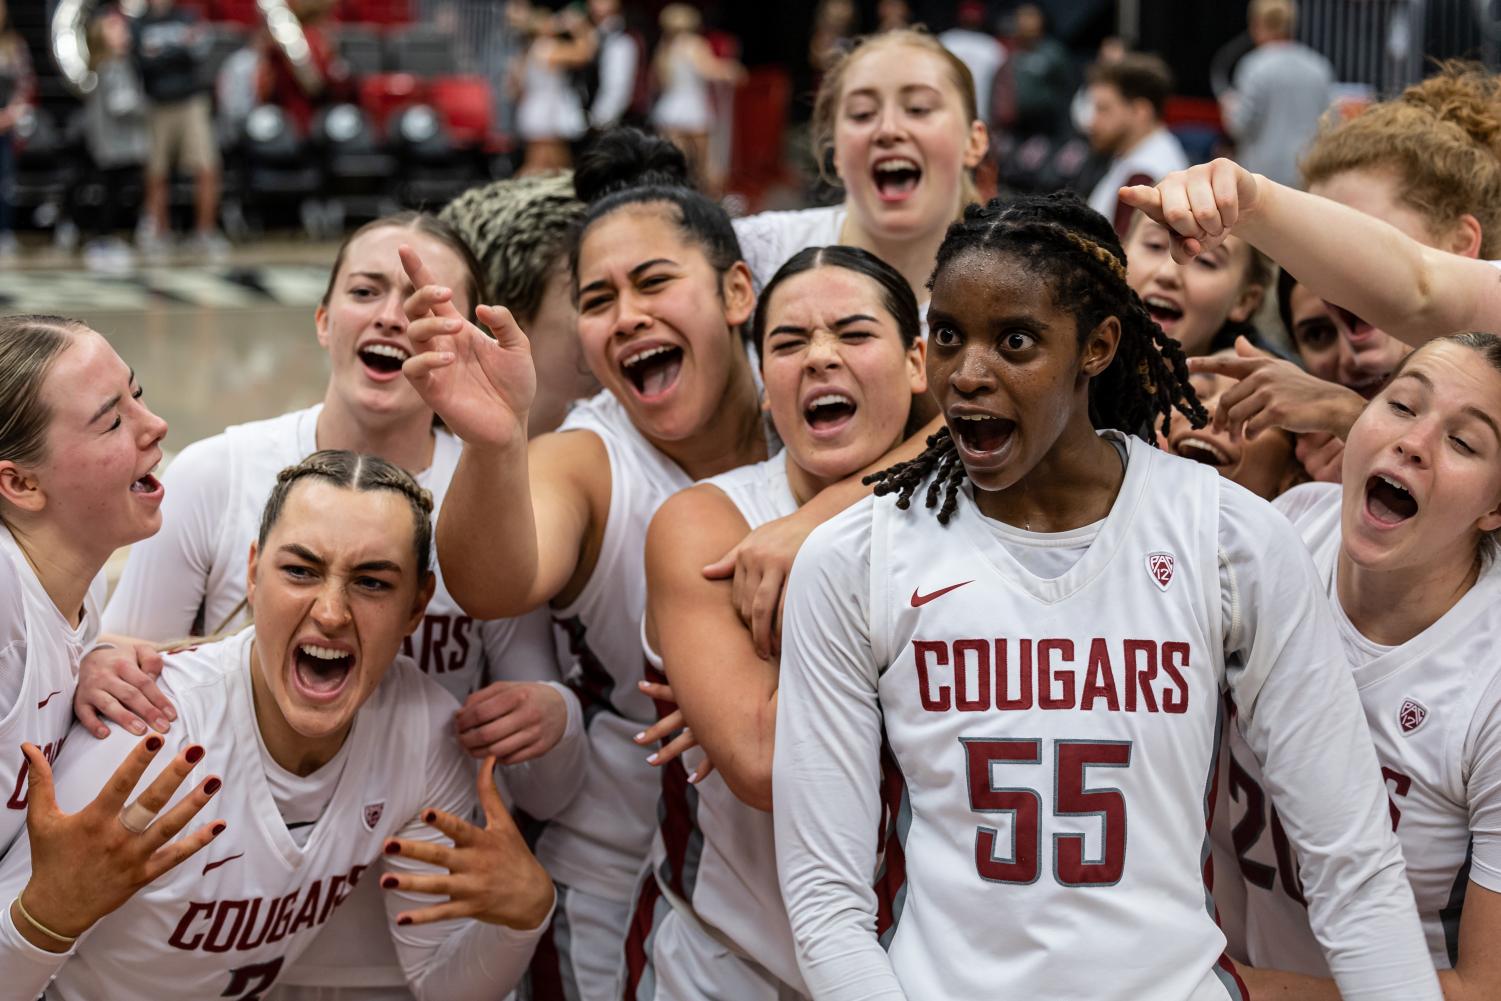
(919, 600)
(210, 867)
(43, 704)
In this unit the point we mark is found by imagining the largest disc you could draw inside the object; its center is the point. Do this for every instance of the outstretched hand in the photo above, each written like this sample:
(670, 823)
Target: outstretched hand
(1199, 206)
(84, 865)
(482, 386)
(1272, 392)
(492, 876)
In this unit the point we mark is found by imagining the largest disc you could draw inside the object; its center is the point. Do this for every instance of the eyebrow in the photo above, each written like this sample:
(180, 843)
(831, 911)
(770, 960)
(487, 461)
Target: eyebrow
(1472, 411)
(112, 402)
(378, 276)
(907, 89)
(308, 556)
(791, 328)
(633, 274)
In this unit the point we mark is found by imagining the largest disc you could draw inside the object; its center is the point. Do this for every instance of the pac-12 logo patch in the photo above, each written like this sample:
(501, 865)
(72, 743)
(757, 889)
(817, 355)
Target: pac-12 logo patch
(373, 813)
(1160, 566)
(1411, 715)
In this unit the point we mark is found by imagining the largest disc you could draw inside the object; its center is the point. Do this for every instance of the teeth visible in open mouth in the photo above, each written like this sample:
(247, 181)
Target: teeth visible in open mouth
(829, 399)
(894, 165)
(1209, 453)
(387, 351)
(974, 417)
(1156, 304)
(322, 652)
(1393, 483)
(641, 356)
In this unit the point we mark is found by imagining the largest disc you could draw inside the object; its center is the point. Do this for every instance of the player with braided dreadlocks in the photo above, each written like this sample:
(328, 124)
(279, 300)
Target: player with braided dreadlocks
(1047, 659)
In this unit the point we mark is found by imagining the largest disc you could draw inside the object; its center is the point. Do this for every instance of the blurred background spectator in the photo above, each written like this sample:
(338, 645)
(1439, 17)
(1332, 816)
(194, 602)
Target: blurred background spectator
(171, 51)
(115, 135)
(1035, 84)
(686, 67)
(1281, 90)
(977, 47)
(1128, 98)
(618, 59)
(15, 91)
(893, 14)
(550, 109)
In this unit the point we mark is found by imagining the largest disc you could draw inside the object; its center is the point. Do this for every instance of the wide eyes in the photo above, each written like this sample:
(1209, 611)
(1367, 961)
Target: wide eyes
(1016, 340)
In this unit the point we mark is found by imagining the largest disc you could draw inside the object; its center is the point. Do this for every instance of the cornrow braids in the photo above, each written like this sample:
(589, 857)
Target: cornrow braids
(1065, 241)
(360, 473)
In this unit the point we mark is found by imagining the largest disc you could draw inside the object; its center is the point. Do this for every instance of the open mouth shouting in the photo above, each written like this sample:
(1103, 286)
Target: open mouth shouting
(829, 412)
(382, 359)
(982, 438)
(1164, 310)
(652, 369)
(321, 670)
(1388, 501)
(1203, 450)
(896, 178)
(147, 486)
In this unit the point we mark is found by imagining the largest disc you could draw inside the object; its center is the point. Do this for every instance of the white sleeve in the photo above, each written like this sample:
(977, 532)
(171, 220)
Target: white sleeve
(1302, 718)
(81, 769)
(460, 959)
(617, 77)
(1482, 777)
(166, 576)
(826, 770)
(523, 649)
(760, 238)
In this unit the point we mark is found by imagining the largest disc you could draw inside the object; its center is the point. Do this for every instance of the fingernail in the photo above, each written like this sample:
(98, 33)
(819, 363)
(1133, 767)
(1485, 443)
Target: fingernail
(159, 724)
(403, 920)
(211, 786)
(392, 848)
(643, 685)
(172, 714)
(216, 830)
(388, 882)
(153, 743)
(651, 759)
(137, 729)
(451, 324)
(441, 290)
(693, 779)
(430, 816)
(194, 754)
(639, 737)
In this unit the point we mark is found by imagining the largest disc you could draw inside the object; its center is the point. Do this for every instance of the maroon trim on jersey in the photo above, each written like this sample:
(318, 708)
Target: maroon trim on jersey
(593, 685)
(1225, 715)
(678, 812)
(891, 880)
(638, 936)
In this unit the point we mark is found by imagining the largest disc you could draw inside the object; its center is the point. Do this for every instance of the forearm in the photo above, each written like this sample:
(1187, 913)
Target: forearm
(26, 968)
(1281, 986)
(1370, 267)
(477, 962)
(487, 533)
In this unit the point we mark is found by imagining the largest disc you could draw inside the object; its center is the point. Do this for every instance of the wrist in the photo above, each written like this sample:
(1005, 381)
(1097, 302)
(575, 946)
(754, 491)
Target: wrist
(43, 924)
(1345, 409)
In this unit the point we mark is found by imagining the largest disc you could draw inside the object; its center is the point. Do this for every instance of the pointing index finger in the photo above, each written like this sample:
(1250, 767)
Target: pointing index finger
(1235, 368)
(418, 272)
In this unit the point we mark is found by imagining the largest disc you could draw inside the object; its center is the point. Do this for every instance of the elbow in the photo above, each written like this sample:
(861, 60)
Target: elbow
(750, 781)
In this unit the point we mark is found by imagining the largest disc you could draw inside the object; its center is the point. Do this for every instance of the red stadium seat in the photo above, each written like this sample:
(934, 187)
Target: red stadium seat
(376, 11)
(384, 94)
(760, 124)
(463, 102)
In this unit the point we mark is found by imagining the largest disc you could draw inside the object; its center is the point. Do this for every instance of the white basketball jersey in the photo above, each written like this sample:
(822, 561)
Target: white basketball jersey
(1427, 703)
(600, 841)
(713, 855)
(38, 644)
(1058, 738)
(216, 490)
(227, 921)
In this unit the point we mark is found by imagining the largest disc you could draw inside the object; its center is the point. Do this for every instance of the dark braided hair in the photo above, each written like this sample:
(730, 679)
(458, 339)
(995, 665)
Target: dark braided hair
(1076, 250)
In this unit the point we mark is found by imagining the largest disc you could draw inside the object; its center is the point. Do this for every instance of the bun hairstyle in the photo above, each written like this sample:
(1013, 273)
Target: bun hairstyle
(1442, 139)
(896, 294)
(625, 166)
(1075, 251)
(360, 473)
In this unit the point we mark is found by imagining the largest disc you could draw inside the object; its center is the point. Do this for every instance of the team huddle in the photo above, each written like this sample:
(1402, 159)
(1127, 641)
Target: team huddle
(1124, 655)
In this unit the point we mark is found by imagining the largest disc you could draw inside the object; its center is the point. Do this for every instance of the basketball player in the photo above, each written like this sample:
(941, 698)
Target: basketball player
(837, 332)
(1047, 658)
(334, 753)
(77, 449)
(1406, 553)
(189, 578)
(662, 295)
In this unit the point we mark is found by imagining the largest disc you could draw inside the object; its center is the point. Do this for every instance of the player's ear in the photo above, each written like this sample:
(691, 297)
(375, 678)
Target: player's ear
(20, 489)
(425, 589)
(250, 573)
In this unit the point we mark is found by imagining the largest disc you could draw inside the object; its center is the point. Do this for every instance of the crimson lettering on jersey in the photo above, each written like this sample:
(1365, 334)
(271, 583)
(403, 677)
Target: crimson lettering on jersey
(441, 644)
(242, 925)
(17, 799)
(972, 675)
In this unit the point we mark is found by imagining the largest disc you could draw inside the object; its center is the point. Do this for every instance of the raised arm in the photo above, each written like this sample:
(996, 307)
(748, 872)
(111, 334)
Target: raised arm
(1301, 715)
(1357, 261)
(727, 694)
(827, 772)
(516, 515)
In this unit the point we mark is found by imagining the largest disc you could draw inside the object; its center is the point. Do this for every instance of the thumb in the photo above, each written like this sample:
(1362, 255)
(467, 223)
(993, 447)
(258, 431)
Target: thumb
(149, 659)
(489, 795)
(41, 798)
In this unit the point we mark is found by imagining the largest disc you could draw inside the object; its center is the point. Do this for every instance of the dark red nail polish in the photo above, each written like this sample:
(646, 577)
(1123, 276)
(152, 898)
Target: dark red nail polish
(153, 743)
(388, 882)
(217, 830)
(403, 920)
(194, 754)
(392, 848)
(211, 786)
(430, 817)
